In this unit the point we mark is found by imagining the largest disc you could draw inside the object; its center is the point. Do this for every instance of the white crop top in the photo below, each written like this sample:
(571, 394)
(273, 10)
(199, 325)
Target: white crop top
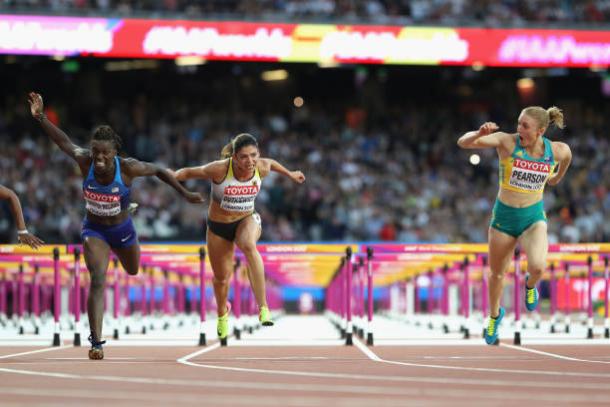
(236, 196)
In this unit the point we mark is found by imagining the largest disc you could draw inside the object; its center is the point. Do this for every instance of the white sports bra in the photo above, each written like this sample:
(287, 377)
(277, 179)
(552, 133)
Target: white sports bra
(235, 196)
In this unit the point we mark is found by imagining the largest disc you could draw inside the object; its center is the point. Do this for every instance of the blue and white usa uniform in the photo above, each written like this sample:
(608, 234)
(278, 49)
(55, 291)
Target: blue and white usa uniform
(106, 201)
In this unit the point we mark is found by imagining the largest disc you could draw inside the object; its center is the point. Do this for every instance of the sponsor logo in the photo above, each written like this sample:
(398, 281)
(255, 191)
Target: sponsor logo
(289, 249)
(532, 166)
(580, 248)
(553, 49)
(95, 196)
(91, 187)
(126, 238)
(233, 190)
(55, 36)
(115, 190)
(210, 42)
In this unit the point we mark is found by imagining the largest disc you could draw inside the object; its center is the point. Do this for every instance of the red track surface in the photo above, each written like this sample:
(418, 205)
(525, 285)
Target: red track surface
(307, 376)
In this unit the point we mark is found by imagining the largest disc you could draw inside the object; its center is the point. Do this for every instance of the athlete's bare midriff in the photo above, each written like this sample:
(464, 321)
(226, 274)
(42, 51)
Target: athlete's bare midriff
(518, 199)
(217, 214)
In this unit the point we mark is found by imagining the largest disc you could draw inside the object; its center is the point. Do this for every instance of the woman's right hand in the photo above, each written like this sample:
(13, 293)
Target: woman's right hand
(31, 240)
(194, 197)
(36, 105)
(488, 128)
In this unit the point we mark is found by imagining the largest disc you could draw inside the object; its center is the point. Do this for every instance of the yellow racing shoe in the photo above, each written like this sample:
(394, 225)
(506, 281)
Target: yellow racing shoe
(264, 316)
(222, 326)
(531, 296)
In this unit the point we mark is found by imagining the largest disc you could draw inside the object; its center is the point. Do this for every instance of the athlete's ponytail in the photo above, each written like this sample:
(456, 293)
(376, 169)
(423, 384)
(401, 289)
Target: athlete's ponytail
(227, 151)
(556, 116)
(544, 117)
(240, 141)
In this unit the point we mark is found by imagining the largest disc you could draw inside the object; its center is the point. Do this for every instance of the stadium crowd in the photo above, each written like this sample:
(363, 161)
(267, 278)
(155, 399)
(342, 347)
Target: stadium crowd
(377, 168)
(487, 12)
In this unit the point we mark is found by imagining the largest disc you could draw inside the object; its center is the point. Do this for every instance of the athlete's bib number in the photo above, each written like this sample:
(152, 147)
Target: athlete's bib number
(102, 204)
(528, 175)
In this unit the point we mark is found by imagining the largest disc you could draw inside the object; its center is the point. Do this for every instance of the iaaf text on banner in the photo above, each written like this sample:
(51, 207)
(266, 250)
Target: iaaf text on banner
(244, 41)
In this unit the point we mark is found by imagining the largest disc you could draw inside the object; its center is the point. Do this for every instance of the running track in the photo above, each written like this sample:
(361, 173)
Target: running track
(272, 368)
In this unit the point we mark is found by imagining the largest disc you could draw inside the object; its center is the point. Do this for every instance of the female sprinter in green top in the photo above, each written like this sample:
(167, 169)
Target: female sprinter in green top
(528, 162)
(232, 220)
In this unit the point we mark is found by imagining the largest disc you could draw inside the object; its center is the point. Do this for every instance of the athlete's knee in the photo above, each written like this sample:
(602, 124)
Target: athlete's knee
(222, 280)
(497, 274)
(536, 269)
(98, 281)
(247, 247)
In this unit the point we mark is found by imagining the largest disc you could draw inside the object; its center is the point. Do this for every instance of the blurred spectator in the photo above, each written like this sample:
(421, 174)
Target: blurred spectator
(452, 12)
(392, 174)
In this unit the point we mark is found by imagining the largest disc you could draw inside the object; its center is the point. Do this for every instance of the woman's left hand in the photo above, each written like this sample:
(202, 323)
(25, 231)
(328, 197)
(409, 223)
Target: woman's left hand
(297, 176)
(553, 180)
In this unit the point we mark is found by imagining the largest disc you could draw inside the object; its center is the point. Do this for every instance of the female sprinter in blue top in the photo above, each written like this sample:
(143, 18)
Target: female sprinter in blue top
(107, 225)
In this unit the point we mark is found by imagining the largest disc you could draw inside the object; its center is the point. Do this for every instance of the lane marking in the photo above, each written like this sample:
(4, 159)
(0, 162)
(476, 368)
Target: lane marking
(435, 341)
(31, 352)
(194, 398)
(184, 359)
(252, 342)
(377, 390)
(374, 357)
(349, 389)
(111, 358)
(297, 358)
(553, 355)
(371, 355)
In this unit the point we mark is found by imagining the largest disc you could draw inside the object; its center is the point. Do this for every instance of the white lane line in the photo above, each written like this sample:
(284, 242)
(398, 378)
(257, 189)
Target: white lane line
(374, 357)
(351, 389)
(251, 342)
(184, 359)
(194, 399)
(43, 374)
(271, 386)
(298, 358)
(87, 362)
(104, 359)
(553, 355)
(31, 352)
(432, 342)
(371, 355)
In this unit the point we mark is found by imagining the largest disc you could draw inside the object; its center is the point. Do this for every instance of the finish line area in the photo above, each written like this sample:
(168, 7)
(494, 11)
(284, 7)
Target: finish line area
(303, 361)
(426, 347)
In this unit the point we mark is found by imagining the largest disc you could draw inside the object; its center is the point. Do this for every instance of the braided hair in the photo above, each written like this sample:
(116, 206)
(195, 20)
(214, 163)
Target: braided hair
(105, 133)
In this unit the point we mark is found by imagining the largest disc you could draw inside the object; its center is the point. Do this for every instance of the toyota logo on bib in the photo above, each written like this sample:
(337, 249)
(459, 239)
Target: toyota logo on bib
(235, 190)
